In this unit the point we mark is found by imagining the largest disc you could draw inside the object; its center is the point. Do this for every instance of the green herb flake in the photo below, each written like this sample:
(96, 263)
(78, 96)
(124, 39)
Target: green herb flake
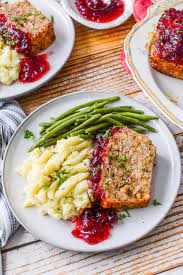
(45, 186)
(28, 134)
(29, 14)
(156, 202)
(143, 169)
(6, 34)
(12, 42)
(112, 157)
(1, 40)
(128, 214)
(105, 184)
(15, 18)
(122, 216)
(23, 18)
(107, 134)
(52, 19)
(18, 27)
(61, 177)
(105, 175)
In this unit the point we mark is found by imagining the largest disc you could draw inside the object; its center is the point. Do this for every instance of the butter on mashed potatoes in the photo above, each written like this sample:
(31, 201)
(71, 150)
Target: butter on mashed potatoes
(9, 64)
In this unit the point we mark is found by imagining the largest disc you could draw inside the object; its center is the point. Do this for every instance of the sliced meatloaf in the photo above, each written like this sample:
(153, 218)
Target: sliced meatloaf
(127, 170)
(25, 28)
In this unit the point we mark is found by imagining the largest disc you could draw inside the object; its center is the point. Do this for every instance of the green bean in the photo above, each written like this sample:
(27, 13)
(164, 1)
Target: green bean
(117, 110)
(139, 130)
(77, 114)
(134, 121)
(75, 133)
(88, 136)
(114, 122)
(70, 111)
(97, 127)
(44, 124)
(87, 122)
(139, 116)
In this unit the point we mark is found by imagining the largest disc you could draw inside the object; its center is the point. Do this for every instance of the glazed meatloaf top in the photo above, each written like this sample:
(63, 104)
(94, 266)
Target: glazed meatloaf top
(127, 170)
(23, 24)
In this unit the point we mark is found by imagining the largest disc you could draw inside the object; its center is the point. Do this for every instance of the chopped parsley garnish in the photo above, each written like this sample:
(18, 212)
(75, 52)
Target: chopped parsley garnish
(12, 42)
(105, 175)
(15, 18)
(6, 34)
(52, 19)
(18, 27)
(156, 202)
(122, 161)
(112, 157)
(164, 16)
(107, 134)
(23, 18)
(122, 216)
(143, 169)
(28, 134)
(1, 40)
(61, 177)
(128, 214)
(181, 31)
(45, 186)
(29, 14)
(105, 184)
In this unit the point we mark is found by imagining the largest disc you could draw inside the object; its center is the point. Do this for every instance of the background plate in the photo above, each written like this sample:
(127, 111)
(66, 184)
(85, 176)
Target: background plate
(165, 183)
(164, 91)
(58, 52)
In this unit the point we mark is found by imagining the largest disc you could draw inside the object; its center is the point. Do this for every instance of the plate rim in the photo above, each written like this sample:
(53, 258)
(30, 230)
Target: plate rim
(73, 37)
(154, 99)
(176, 156)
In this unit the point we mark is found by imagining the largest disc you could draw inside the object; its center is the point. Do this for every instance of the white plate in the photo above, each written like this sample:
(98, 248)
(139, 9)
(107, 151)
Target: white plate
(59, 51)
(70, 7)
(165, 184)
(164, 91)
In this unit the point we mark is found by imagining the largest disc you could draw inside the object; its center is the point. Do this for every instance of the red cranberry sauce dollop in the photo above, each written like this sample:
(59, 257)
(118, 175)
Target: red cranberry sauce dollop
(33, 68)
(94, 225)
(169, 43)
(99, 11)
(14, 37)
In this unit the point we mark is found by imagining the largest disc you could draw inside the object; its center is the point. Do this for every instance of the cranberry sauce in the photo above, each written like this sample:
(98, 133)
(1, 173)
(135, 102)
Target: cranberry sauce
(94, 225)
(96, 161)
(100, 11)
(170, 36)
(33, 68)
(14, 37)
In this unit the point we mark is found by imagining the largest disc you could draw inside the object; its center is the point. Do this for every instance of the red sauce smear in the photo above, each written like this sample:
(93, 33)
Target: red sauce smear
(16, 38)
(98, 11)
(170, 36)
(95, 224)
(33, 68)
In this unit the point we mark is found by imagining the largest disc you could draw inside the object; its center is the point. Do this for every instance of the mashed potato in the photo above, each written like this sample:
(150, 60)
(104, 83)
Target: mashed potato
(9, 64)
(58, 178)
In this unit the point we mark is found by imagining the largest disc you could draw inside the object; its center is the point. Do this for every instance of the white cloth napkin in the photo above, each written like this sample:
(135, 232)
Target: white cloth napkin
(11, 115)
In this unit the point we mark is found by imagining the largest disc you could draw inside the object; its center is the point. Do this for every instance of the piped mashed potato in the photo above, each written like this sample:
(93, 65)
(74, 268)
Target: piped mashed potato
(58, 178)
(9, 64)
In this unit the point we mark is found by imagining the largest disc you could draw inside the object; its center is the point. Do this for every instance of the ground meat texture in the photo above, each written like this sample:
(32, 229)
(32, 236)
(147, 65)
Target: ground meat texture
(24, 24)
(127, 170)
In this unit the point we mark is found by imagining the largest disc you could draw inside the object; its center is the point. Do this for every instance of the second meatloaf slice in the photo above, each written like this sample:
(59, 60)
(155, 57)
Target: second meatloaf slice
(127, 170)
(25, 28)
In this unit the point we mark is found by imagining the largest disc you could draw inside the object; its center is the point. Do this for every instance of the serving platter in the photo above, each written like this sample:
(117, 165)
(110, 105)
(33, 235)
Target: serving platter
(164, 91)
(58, 53)
(165, 183)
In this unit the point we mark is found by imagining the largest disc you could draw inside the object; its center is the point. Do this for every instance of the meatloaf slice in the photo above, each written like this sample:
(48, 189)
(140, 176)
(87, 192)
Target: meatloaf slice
(127, 170)
(169, 68)
(25, 28)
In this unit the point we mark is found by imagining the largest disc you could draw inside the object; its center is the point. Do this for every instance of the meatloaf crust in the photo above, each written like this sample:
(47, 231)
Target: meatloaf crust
(127, 170)
(169, 68)
(25, 17)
